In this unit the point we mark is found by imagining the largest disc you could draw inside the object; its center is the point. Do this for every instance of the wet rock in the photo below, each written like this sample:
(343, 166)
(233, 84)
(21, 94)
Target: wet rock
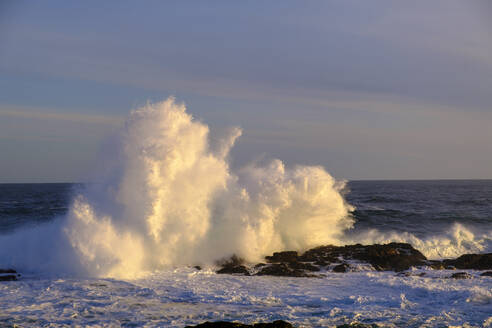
(396, 257)
(322, 255)
(471, 262)
(225, 324)
(275, 324)
(282, 270)
(304, 266)
(8, 275)
(239, 269)
(278, 257)
(321, 263)
(410, 274)
(436, 265)
(487, 274)
(461, 275)
(344, 267)
(390, 257)
(233, 265)
(393, 256)
(358, 325)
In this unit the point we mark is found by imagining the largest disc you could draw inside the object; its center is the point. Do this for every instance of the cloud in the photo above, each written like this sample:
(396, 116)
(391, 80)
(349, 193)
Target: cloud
(396, 50)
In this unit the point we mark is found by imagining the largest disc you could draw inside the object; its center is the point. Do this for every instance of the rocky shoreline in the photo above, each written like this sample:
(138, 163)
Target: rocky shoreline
(397, 257)
(316, 262)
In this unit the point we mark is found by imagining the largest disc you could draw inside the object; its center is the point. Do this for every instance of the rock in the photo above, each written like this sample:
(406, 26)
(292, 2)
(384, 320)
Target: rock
(303, 266)
(233, 265)
(393, 256)
(322, 255)
(461, 275)
(341, 268)
(282, 270)
(239, 269)
(411, 274)
(358, 325)
(436, 265)
(198, 267)
(471, 262)
(390, 257)
(275, 324)
(8, 275)
(396, 257)
(278, 257)
(225, 324)
(487, 274)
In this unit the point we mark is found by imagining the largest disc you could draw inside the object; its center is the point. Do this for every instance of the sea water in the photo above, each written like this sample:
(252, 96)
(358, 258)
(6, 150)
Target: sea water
(179, 296)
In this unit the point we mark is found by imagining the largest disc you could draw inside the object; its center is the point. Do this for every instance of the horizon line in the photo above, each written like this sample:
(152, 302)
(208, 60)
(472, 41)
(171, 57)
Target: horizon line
(349, 180)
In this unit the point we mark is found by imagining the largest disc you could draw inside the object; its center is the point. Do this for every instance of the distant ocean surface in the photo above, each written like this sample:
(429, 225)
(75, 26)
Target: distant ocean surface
(424, 207)
(420, 207)
(433, 215)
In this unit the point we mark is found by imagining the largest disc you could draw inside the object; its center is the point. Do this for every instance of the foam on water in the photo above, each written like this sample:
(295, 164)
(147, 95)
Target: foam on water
(176, 298)
(455, 240)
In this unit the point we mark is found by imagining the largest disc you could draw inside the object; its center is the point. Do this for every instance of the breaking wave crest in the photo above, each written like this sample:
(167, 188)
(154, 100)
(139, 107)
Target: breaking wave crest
(455, 241)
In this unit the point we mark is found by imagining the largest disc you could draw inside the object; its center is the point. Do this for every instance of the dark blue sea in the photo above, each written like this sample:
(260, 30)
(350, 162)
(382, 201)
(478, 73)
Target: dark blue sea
(424, 207)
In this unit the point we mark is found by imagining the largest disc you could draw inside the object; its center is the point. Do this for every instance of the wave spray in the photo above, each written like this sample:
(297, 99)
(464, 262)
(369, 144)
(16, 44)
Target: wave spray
(171, 199)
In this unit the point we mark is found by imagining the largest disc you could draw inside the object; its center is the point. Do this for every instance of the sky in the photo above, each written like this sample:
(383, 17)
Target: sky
(367, 89)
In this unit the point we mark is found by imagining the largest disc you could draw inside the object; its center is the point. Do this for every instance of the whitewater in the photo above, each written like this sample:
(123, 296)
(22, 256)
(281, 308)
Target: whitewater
(167, 200)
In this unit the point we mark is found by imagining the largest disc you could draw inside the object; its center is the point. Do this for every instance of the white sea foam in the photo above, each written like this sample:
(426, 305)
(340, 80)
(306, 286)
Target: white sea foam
(454, 241)
(176, 298)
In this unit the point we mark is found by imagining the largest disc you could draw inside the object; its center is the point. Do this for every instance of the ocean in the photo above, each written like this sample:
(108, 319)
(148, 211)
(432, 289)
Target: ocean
(442, 218)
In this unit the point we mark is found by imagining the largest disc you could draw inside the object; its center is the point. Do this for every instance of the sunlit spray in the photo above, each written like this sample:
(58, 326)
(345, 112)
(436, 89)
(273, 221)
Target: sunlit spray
(176, 201)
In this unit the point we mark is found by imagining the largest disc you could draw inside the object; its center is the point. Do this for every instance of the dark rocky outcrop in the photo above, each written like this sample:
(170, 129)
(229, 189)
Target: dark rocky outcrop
(233, 265)
(289, 256)
(461, 275)
(344, 267)
(396, 257)
(389, 257)
(226, 324)
(487, 274)
(471, 261)
(358, 325)
(283, 270)
(8, 275)
(411, 274)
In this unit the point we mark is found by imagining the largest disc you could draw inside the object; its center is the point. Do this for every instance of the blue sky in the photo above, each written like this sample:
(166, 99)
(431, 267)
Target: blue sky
(368, 89)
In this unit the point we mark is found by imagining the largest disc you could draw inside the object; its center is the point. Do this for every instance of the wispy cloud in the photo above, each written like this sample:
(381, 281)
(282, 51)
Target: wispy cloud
(52, 115)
